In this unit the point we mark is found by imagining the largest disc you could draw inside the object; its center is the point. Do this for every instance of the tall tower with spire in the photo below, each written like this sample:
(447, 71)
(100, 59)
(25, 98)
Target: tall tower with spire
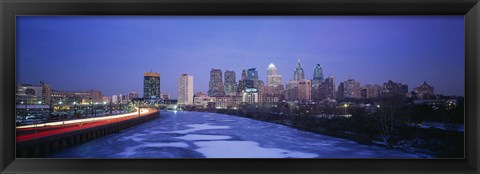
(298, 89)
(298, 73)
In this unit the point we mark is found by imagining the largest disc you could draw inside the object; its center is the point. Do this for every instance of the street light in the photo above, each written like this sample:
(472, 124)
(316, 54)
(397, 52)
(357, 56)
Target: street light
(24, 111)
(74, 108)
(35, 122)
(61, 116)
(345, 105)
(91, 108)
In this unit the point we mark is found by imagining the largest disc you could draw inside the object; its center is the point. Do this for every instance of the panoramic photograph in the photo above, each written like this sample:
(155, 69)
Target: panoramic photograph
(343, 87)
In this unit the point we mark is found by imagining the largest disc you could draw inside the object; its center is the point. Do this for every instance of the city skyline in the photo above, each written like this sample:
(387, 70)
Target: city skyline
(105, 66)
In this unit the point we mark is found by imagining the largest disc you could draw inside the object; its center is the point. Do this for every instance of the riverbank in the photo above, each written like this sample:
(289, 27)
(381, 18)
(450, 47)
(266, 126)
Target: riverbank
(423, 141)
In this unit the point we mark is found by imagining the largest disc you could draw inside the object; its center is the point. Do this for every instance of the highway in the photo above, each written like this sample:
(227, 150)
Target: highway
(29, 132)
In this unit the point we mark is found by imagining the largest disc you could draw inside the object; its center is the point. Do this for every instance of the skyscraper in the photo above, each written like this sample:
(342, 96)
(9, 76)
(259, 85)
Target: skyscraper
(318, 84)
(251, 86)
(185, 90)
(261, 92)
(230, 83)
(252, 78)
(291, 92)
(244, 74)
(298, 88)
(304, 90)
(349, 89)
(352, 89)
(151, 85)
(274, 90)
(215, 86)
(317, 92)
(317, 75)
(273, 79)
(330, 87)
(241, 82)
(298, 73)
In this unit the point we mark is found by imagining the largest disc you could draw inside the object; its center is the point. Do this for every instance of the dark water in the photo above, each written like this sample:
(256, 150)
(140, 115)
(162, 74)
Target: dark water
(210, 135)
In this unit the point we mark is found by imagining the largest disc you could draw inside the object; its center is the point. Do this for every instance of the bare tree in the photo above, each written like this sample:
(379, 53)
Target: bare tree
(385, 116)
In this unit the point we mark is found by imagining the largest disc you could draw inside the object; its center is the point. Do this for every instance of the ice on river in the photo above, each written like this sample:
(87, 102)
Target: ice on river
(210, 135)
(245, 149)
(196, 137)
(197, 127)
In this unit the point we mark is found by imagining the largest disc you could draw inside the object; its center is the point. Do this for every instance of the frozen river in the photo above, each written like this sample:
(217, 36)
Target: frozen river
(210, 135)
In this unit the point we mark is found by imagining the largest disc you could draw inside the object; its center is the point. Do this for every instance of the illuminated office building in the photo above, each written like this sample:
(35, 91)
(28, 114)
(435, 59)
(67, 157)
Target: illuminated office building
(349, 89)
(230, 86)
(273, 78)
(251, 93)
(317, 75)
(151, 86)
(329, 88)
(215, 85)
(185, 90)
(298, 73)
(304, 90)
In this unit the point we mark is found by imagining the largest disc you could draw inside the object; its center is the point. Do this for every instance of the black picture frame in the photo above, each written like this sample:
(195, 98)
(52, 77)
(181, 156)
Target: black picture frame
(11, 8)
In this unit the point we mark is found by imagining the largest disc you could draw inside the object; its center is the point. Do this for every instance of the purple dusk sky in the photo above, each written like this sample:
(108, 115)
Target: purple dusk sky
(111, 54)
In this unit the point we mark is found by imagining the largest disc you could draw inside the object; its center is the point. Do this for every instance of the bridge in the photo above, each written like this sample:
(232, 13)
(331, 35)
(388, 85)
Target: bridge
(39, 140)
